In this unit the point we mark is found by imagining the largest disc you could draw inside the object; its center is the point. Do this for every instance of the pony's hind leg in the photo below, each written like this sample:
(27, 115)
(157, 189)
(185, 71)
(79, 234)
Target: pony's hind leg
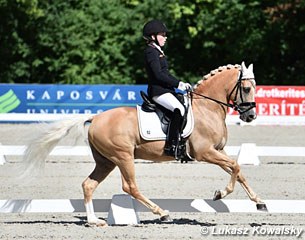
(101, 171)
(129, 186)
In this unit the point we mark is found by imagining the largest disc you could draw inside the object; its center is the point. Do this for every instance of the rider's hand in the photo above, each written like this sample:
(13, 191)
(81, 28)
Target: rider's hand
(184, 86)
(188, 87)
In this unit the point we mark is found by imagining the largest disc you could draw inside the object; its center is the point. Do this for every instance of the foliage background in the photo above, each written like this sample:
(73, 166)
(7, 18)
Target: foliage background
(100, 41)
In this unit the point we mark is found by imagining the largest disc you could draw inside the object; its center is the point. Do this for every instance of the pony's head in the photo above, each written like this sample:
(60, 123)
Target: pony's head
(243, 95)
(239, 94)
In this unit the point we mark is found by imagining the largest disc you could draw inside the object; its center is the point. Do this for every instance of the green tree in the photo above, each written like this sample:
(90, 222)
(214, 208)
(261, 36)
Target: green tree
(284, 49)
(83, 42)
(96, 41)
(216, 33)
(267, 33)
(100, 41)
(17, 36)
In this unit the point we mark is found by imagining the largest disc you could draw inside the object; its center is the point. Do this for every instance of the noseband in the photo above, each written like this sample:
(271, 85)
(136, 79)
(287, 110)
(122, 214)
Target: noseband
(239, 107)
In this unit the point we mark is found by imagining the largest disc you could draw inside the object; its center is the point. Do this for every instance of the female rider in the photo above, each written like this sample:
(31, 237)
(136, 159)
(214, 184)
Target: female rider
(161, 84)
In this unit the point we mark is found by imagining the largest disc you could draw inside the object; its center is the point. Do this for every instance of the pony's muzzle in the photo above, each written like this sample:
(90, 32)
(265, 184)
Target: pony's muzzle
(248, 116)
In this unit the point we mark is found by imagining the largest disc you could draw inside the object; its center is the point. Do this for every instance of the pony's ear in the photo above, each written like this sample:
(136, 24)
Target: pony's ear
(250, 68)
(243, 66)
(247, 72)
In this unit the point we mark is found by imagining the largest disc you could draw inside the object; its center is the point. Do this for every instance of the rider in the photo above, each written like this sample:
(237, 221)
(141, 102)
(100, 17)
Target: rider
(161, 84)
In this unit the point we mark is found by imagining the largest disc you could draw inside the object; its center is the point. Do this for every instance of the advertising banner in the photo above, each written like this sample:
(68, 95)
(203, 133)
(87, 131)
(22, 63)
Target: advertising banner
(67, 99)
(280, 100)
(92, 99)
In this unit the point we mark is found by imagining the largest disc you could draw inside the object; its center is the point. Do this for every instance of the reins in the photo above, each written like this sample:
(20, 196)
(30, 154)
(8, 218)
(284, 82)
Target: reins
(237, 107)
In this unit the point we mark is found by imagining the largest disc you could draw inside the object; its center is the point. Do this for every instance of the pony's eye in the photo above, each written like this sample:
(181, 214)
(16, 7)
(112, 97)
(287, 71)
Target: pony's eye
(246, 89)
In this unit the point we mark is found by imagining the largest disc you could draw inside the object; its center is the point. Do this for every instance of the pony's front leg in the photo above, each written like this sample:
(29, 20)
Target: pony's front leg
(222, 160)
(234, 167)
(251, 194)
(129, 186)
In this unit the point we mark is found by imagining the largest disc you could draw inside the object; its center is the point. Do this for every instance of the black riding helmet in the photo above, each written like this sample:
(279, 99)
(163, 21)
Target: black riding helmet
(153, 27)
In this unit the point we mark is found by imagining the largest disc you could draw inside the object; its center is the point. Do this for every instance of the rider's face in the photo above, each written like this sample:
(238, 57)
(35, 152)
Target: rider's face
(161, 37)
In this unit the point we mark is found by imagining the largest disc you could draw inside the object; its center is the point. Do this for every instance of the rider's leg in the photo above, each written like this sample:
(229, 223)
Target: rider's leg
(170, 102)
(174, 132)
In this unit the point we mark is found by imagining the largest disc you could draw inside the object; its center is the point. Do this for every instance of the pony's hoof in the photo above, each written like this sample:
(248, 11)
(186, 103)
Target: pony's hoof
(166, 218)
(261, 207)
(217, 195)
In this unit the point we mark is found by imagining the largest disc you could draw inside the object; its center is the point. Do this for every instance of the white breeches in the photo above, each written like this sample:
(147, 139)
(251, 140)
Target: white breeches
(170, 102)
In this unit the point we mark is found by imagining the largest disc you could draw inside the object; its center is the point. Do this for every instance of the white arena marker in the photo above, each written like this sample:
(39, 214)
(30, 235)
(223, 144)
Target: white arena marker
(202, 206)
(247, 206)
(237, 206)
(286, 206)
(2, 157)
(36, 205)
(122, 211)
(248, 154)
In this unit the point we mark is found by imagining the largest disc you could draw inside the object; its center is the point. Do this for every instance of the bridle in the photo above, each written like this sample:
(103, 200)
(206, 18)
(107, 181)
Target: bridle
(239, 107)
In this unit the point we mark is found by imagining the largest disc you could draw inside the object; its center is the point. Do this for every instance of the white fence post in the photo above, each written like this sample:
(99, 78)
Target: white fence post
(248, 154)
(122, 211)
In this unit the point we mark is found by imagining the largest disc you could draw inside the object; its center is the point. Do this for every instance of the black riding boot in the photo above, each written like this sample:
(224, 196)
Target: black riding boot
(173, 137)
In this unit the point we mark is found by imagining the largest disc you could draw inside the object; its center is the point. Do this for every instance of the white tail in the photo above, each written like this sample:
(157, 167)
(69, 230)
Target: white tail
(42, 144)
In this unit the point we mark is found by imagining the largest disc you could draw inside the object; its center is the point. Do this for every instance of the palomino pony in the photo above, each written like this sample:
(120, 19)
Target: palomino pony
(114, 138)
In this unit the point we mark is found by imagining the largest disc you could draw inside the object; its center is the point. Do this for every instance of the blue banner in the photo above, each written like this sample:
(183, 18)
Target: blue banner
(67, 99)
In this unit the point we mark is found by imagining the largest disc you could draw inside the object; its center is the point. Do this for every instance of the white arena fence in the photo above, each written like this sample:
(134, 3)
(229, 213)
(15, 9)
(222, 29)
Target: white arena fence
(173, 205)
(123, 210)
(248, 153)
(270, 151)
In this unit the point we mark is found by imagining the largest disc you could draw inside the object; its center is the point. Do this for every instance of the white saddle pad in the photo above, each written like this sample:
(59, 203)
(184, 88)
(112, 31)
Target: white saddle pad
(150, 126)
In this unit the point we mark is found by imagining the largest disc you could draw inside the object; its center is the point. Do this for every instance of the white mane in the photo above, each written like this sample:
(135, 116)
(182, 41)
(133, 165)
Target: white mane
(247, 72)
